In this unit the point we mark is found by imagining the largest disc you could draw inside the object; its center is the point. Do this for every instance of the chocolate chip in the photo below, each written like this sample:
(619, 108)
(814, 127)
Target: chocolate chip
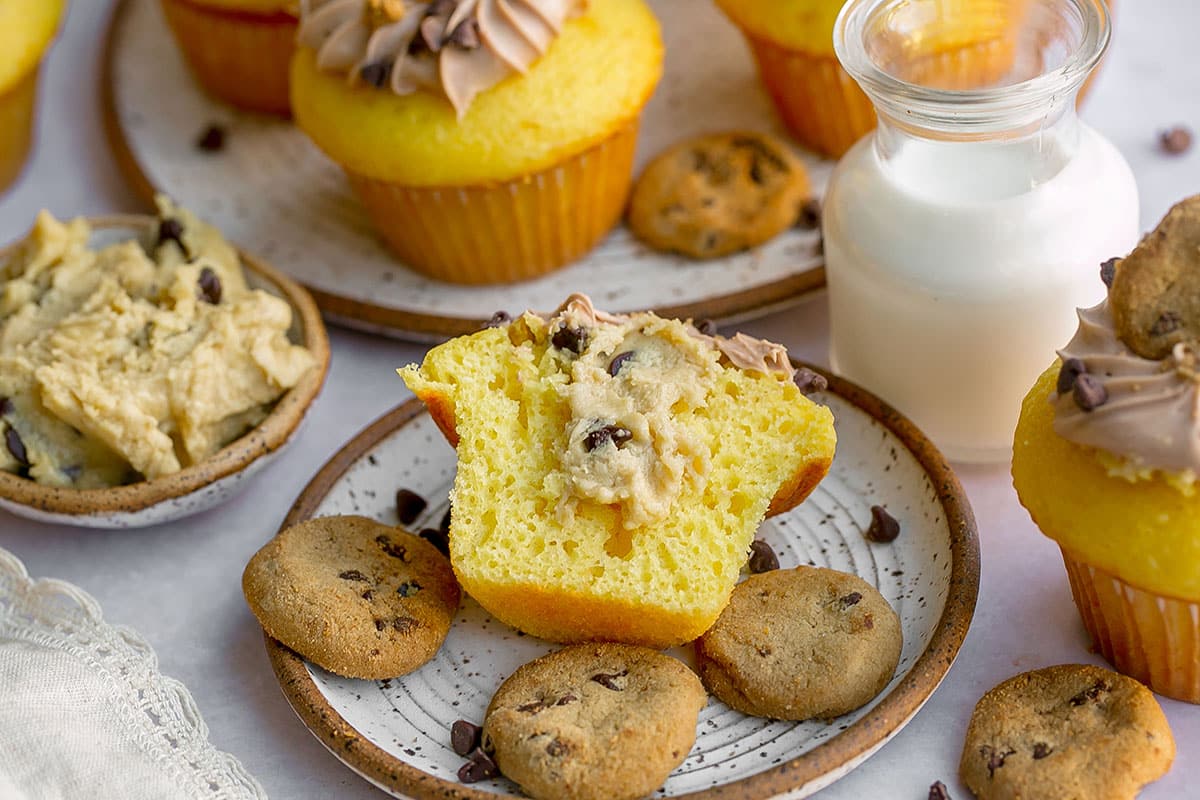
(353, 575)
(883, 527)
(466, 35)
(1175, 140)
(761, 150)
(531, 708)
(405, 624)
(498, 320)
(436, 538)
(171, 230)
(6, 406)
(1108, 271)
(408, 588)
(570, 338)
(368, 595)
(810, 214)
(380, 624)
(376, 74)
(762, 557)
(707, 327)
(995, 758)
(557, 748)
(1041, 750)
(1071, 369)
(618, 361)
(1167, 322)
(210, 286)
(480, 767)
(603, 435)
(810, 381)
(16, 447)
(1089, 393)
(1091, 693)
(756, 172)
(851, 599)
(609, 679)
(938, 791)
(566, 698)
(388, 546)
(444, 525)
(409, 506)
(211, 139)
(464, 736)
(764, 650)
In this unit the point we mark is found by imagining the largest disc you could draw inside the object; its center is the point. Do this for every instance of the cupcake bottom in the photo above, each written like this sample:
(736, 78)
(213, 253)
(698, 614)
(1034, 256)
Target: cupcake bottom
(239, 57)
(507, 231)
(1150, 637)
(17, 114)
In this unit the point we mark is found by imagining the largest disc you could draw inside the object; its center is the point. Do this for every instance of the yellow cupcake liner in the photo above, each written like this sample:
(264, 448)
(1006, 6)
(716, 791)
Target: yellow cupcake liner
(239, 57)
(507, 231)
(1150, 637)
(826, 110)
(17, 113)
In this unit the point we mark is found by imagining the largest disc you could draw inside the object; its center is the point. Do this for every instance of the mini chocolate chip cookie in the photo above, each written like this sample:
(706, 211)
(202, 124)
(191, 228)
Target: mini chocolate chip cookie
(801, 643)
(718, 194)
(594, 722)
(1155, 294)
(1071, 731)
(354, 596)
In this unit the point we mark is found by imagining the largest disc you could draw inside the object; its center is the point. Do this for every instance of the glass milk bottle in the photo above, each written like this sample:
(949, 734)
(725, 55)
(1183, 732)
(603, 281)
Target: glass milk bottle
(963, 233)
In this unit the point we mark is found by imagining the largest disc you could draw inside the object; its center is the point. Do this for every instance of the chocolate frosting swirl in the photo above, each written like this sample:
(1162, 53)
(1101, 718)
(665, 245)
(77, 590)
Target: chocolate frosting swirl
(458, 48)
(1152, 413)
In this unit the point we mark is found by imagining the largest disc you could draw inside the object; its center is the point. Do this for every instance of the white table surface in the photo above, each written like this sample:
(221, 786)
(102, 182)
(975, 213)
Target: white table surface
(179, 584)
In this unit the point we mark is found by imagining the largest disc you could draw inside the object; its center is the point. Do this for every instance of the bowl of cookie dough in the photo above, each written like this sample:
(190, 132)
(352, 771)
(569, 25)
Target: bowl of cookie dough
(147, 368)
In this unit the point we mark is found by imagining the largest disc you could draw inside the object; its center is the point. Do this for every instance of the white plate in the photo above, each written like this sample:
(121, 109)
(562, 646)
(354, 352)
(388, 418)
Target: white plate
(271, 191)
(397, 733)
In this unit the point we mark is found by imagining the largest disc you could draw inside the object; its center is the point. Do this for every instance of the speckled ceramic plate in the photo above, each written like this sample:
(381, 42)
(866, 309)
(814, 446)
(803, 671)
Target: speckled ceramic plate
(271, 191)
(396, 733)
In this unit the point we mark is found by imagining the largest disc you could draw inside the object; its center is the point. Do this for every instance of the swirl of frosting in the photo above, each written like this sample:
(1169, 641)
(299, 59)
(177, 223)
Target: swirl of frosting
(456, 47)
(1152, 413)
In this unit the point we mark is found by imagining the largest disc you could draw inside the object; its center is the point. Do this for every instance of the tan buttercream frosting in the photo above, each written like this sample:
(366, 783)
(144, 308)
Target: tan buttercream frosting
(458, 48)
(1151, 416)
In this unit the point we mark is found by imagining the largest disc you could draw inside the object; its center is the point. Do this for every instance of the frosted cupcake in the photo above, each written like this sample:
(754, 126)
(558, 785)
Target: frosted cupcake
(489, 141)
(238, 50)
(26, 30)
(1107, 457)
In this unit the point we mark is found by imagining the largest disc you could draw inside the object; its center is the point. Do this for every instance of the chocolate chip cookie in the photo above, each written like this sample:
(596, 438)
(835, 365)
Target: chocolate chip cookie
(1155, 293)
(1075, 732)
(801, 643)
(354, 596)
(718, 194)
(594, 722)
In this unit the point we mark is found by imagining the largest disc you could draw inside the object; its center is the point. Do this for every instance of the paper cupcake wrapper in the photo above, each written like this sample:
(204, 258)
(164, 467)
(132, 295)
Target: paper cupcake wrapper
(1150, 637)
(241, 58)
(17, 112)
(508, 231)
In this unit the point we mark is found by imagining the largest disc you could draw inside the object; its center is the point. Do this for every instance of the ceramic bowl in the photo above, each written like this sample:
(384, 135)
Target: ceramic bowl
(217, 478)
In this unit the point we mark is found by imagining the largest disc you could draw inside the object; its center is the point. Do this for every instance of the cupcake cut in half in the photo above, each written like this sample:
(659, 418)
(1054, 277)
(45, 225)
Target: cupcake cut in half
(612, 469)
(1107, 454)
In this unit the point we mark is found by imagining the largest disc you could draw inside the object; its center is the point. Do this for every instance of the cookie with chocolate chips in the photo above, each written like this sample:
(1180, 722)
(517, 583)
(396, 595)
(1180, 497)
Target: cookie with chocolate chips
(354, 596)
(801, 643)
(1155, 293)
(594, 722)
(1070, 731)
(718, 194)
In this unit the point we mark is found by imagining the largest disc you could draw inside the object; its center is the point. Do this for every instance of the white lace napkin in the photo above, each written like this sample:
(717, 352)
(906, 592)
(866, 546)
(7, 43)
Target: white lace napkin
(84, 711)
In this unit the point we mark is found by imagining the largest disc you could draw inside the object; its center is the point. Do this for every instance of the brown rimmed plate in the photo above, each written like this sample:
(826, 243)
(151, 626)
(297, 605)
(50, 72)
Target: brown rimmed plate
(396, 733)
(270, 190)
(200, 486)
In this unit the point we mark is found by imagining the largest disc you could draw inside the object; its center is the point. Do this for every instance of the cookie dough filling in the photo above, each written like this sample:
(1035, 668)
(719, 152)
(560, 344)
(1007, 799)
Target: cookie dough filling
(137, 359)
(634, 383)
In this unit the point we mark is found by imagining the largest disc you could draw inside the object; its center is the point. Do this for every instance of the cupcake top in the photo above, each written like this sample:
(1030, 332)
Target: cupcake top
(797, 24)
(26, 28)
(456, 48)
(1129, 384)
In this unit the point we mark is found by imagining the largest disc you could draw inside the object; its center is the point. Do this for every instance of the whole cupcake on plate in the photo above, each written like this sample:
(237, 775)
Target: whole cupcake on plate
(792, 43)
(489, 140)
(238, 50)
(1107, 459)
(26, 29)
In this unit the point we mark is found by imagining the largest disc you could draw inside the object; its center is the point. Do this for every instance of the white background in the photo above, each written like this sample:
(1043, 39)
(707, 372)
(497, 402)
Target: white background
(179, 585)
